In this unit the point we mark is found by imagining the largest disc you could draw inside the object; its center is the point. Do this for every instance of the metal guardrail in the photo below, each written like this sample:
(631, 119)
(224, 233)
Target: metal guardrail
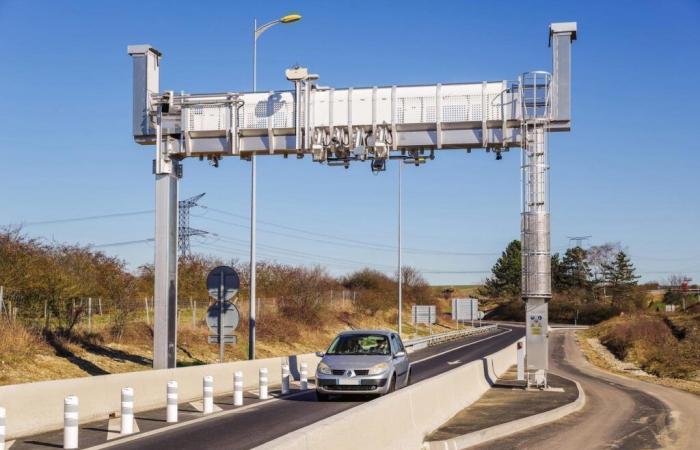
(427, 341)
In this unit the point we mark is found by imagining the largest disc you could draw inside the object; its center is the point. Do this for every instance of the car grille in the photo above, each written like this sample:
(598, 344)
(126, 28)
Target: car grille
(338, 387)
(357, 372)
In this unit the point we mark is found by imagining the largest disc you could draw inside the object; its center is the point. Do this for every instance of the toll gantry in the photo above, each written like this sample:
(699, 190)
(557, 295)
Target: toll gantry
(337, 127)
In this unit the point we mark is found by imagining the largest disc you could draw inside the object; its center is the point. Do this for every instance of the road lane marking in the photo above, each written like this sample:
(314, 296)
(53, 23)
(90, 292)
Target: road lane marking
(251, 406)
(452, 363)
(170, 427)
(507, 330)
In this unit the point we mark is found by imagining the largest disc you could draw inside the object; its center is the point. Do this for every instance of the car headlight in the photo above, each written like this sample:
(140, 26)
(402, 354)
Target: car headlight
(379, 368)
(324, 369)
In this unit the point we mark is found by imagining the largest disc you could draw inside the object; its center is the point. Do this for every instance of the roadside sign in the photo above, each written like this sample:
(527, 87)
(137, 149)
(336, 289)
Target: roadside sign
(423, 314)
(227, 339)
(226, 276)
(222, 317)
(465, 309)
(229, 319)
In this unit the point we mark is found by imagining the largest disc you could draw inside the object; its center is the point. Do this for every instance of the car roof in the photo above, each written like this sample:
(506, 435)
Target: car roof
(384, 332)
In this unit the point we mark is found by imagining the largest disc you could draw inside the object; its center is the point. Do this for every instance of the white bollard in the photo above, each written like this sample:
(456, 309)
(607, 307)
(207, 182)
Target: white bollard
(238, 389)
(521, 361)
(285, 378)
(2, 424)
(70, 422)
(304, 379)
(127, 422)
(208, 394)
(263, 383)
(171, 408)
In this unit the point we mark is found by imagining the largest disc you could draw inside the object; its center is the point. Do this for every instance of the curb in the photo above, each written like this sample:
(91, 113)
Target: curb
(508, 428)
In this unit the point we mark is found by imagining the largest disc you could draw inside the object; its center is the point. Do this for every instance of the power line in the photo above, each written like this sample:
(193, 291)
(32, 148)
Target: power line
(86, 218)
(336, 240)
(119, 244)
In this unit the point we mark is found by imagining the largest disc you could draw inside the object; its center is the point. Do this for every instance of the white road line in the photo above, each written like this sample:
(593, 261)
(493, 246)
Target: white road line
(227, 412)
(507, 330)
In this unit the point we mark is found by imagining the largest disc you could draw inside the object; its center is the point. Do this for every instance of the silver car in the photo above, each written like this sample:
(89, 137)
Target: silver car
(362, 362)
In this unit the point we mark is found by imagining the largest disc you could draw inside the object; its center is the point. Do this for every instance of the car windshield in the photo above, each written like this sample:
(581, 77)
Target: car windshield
(359, 344)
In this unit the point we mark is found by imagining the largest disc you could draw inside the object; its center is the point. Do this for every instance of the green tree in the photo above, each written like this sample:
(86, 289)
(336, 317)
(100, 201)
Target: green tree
(620, 276)
(621, 271)
(576, 273)
(558, 275)
(505, 280)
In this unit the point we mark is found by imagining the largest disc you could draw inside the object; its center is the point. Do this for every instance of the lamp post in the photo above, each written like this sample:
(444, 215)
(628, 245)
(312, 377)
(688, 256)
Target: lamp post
(289, 18)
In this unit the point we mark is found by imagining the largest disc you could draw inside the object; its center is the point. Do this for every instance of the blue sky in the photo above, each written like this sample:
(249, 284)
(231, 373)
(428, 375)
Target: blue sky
(628, 171)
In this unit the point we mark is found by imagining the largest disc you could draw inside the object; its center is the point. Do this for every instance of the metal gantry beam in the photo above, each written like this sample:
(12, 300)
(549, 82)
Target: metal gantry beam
(340, 126)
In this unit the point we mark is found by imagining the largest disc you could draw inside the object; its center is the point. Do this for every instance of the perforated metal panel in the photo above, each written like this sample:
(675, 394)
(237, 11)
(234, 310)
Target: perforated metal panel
(206, 117)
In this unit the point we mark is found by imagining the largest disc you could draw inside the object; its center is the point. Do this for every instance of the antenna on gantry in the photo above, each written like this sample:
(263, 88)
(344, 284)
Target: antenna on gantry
(185, 232)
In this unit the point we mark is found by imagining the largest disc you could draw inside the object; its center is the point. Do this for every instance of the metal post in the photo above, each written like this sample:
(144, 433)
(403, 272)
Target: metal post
(219, 320)
(400, 281)
(535, 236)
(90, 314)
(251, 305)
(148, 317)
(165, 307)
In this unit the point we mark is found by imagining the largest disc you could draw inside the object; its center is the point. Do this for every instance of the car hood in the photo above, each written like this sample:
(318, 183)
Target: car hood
(354, 361)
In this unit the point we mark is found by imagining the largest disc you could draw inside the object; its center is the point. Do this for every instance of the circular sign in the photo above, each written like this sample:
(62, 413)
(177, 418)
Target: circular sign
(223, 280)
(229, 319)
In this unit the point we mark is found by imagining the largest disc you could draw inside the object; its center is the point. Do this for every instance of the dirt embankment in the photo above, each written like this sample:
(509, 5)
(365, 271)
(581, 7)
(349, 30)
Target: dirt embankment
(29, 354)
(665, 347)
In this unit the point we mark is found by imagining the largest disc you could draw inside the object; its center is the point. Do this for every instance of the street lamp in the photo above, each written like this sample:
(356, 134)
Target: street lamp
(289, 18)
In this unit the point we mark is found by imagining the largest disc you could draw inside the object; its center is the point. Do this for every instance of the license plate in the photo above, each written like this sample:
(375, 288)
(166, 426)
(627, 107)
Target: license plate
(348, 381)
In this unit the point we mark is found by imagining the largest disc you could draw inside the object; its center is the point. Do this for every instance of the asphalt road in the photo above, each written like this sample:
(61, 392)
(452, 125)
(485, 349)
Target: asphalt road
(620, 412)
(270, 420)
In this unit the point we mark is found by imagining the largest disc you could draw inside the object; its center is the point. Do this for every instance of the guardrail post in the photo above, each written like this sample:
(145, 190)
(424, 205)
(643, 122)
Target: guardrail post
(208, 394)
(127, 419)
(70, 422)
(238, 389)
(304, 379)
(263, 383)
(285, 378)
(171, 408)
(2, 426)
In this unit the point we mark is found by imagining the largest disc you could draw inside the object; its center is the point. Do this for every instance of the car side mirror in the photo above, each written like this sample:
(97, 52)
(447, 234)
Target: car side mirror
(399, 354)
(320, 354)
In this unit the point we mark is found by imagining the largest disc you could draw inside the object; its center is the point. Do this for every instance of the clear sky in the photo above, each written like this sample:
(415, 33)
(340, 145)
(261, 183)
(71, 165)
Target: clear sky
(627, 172)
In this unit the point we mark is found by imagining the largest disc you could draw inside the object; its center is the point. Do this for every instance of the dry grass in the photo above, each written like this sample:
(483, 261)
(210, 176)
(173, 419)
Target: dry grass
(650, 343)
(27, 356)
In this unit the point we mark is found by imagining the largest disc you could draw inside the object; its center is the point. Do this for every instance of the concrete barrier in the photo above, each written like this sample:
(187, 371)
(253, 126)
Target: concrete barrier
(33, 408)
(402, 419)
